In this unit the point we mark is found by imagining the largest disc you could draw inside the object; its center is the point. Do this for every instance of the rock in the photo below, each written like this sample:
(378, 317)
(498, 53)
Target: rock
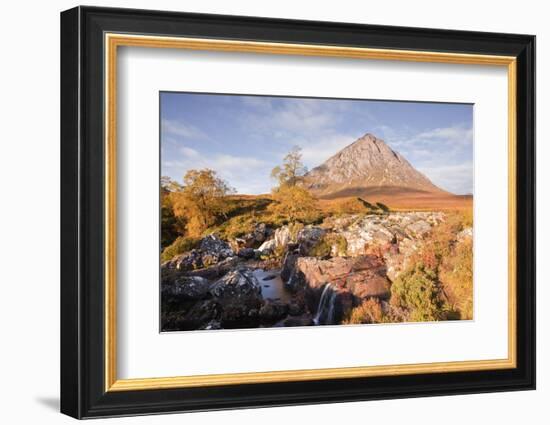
(282, 237)
(466, 234)
(376, 233)
(369, 231)
(214, 246)
(419, 229)
(187, 261)
(213, 324)
(261, 232)
(363, 276)
(252, 239)
(217, 270)
(236, 283)
(273, 310)
(291, 321)
(308, 237)
(188, 288)
(295, 309)
(289, 263)
(247, 253)
(211, 251)
(267, 246)
(237, 293)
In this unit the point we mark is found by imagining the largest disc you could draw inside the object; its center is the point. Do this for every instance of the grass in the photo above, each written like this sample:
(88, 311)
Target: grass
(179, 246)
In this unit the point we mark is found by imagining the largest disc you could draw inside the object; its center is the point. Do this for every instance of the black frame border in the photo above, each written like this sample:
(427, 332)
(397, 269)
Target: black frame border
(82, 204)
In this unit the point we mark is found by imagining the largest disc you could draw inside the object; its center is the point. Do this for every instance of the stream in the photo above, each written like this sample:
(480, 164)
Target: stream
(272, 285)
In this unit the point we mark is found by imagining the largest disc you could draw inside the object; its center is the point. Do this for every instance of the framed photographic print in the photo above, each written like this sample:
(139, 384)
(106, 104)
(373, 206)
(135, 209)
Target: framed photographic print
(261, 212)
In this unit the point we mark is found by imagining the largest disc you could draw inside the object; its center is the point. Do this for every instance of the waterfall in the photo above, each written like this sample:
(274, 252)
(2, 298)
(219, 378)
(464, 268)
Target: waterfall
(325, 309)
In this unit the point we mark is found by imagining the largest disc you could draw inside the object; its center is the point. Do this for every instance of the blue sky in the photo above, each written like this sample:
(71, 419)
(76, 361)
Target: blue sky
(244, 137)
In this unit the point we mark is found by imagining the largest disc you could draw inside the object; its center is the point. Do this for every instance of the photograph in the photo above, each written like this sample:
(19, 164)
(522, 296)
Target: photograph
(283, 211)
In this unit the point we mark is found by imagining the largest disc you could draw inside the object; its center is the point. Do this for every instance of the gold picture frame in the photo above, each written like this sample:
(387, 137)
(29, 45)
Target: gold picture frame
(113, 41)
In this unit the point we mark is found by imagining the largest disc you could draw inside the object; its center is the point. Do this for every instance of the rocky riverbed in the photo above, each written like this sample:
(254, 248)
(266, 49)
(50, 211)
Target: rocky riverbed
(292, 275)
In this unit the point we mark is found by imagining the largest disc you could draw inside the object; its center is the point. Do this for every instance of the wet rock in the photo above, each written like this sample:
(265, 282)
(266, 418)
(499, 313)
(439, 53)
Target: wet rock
(295, 309)
(273, 310)
(289, 263)
(363, 276)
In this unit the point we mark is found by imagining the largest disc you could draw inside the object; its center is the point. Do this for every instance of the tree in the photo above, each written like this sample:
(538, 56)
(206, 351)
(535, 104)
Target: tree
(292, 170)
(295, 203)
(171, 226)
(292, 200)
(201, 200)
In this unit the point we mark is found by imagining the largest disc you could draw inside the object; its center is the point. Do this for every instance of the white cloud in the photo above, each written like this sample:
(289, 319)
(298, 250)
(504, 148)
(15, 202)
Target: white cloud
(246, 174)
(181, 129)
(315, 151)
(189, 152)
(301, 117)
(456, 178)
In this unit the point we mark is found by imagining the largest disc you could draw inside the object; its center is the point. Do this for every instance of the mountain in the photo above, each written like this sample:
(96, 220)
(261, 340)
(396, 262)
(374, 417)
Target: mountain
(367, 167)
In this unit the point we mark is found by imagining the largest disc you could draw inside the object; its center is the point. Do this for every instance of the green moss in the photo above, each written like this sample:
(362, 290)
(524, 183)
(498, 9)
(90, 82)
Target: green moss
(179, 246)
(324, 247)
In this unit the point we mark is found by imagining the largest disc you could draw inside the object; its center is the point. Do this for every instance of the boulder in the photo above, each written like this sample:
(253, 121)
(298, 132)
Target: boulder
(267, 246)
(247, 253)
(217, 270)
(308, 237)
(214, 246)
(363, 276)
(188, 288)
(211, 251)
(187, 261)
(367, 232)
(273, 310)
(251, 240)
(237, 293)
(289, 263)
(282, 237)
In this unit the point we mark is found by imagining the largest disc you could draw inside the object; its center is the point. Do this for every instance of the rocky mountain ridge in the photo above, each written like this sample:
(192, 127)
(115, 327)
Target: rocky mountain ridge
(366, 164)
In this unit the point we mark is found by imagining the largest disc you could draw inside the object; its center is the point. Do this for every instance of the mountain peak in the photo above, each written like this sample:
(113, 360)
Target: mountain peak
(366, 163)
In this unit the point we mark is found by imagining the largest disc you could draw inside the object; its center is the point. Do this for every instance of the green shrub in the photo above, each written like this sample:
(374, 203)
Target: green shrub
(179, 246)
(417, 290)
